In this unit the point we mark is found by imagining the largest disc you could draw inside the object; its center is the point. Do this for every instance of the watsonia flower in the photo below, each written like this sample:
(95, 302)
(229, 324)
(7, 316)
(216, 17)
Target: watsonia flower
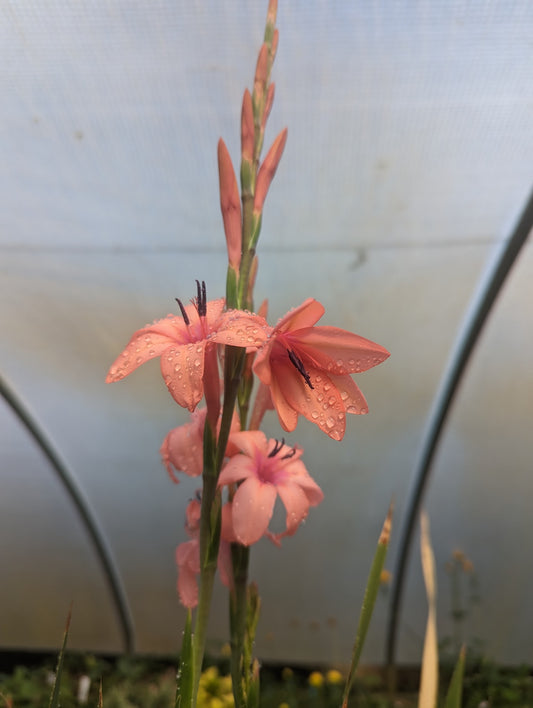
(266, 469)
(308, 370)
(187, 347)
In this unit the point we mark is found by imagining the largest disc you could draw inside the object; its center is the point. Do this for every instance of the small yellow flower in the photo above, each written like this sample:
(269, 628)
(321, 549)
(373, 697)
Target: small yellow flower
(333, 676)
(316, 679)
(287, 673)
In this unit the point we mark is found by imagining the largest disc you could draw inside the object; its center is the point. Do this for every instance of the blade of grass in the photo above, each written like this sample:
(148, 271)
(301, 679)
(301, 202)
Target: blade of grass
(455, 691)
(185, 680)
(429, 677)
(371, 592)
(100, 696)
(54, 697)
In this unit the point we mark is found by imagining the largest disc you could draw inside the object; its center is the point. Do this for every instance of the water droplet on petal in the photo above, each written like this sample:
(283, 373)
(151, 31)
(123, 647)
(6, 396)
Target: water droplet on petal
(177, 368)
(344, 395)
(340, 362)
(139, 360)
(330, 422)
(314, 415)
(351, 362)
(320, 397)
(331, 400)
(327, 386)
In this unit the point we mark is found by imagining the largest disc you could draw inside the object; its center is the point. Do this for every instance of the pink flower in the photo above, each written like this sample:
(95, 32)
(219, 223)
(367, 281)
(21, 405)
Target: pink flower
(186, 347)
(308, 370)
(188, 555)
(266, 469)
(182, 448)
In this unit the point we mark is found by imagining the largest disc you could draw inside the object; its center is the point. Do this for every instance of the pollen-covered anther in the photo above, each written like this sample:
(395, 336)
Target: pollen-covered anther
(277, 447)
(290, 454)
(183, 312)
(200, 301)
(298, 364)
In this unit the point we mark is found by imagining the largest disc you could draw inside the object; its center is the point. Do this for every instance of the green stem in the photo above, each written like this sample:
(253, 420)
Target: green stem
(238, 607)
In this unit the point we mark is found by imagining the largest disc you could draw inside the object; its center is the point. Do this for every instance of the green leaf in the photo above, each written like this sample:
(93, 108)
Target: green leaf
(231, 288)
(54, 697)
(185, 680)
(455, 691)
(371, 593)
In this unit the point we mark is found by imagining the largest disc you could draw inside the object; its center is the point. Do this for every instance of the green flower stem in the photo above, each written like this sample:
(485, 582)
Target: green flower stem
(211, 511)
(238, 607)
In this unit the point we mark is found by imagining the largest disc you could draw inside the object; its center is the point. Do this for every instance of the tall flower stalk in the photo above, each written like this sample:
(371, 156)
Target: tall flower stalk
(301, 369)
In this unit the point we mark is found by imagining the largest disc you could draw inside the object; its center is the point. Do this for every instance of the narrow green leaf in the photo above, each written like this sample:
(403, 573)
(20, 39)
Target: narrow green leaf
(185, 680)
(371, 593)
(455, 691)
(54, 697)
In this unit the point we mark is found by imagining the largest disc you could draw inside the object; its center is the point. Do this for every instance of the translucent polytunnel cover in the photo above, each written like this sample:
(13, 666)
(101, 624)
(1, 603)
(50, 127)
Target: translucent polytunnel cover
(408, 161)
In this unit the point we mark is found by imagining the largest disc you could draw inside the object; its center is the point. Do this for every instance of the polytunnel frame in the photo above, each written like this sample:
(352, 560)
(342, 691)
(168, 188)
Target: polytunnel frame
(482, 303)
(84, 509)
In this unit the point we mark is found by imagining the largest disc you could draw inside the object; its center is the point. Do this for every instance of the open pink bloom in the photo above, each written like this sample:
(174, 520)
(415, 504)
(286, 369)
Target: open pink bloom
(308, 370)
(186, 346)
(188, 555)
(265, 469)
(182, 448)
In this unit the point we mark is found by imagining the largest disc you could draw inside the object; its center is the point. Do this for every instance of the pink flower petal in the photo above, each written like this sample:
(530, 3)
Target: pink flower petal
(236, 468)
(182, 449)
(241, 329)
(339, 351)
(183, 369)
(253, 505)
(146, 344)
(188, 561)
(305, 315)
(296, 503)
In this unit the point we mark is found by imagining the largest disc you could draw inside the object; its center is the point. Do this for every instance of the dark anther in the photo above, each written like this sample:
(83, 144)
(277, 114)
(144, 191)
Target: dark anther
(201, 299)
(290, 454)
(277, 447)
(297, 362)
(183, 313)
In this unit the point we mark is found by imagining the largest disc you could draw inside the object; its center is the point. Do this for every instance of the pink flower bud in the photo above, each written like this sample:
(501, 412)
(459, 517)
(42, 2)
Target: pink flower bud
(230, 205)
(268, 170)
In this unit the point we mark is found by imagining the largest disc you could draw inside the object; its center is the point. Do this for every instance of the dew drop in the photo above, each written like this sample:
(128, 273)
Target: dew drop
(320, 397)
(177, 368)
(331, 400)
(314, 415)
(151, 352)
(197, 363)
(318, 379)
(112, 371)
(139, 360)
(327, 386)
(325, 406)
(344, 395)
(340, 362)
(340, 416)
(125, 354)
(330, 422)
(351, 362)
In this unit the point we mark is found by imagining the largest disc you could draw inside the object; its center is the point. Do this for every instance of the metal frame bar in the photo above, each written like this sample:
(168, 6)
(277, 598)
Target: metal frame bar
(489, 290)
(83, 507)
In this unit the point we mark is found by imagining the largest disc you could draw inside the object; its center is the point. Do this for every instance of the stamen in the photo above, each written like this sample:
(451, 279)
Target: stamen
(290, 454)
(277, 447)
(298, 364)
(183, 313)
(201, 299)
